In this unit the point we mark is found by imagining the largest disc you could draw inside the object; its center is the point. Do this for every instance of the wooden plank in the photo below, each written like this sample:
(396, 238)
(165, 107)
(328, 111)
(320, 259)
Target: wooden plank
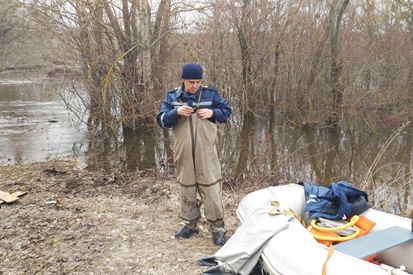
(13, 195)
(375, 242)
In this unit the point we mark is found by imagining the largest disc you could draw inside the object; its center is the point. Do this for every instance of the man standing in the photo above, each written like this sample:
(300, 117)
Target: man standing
(193, 110)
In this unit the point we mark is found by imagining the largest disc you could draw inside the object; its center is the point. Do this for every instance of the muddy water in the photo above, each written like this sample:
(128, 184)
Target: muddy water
(35, 125)
(34, 122)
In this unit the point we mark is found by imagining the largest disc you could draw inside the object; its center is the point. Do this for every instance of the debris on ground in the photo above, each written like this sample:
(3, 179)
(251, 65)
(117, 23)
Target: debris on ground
(92, 222)
(6, 197)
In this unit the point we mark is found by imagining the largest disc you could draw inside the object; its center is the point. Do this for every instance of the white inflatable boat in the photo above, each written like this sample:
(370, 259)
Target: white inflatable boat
(294, 251)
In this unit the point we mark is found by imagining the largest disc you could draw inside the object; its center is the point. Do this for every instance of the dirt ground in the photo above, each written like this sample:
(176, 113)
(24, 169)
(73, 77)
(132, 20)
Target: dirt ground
(78, 222)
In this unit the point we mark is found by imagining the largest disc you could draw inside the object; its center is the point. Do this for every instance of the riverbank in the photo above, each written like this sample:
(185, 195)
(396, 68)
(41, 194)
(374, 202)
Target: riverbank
(82, 222)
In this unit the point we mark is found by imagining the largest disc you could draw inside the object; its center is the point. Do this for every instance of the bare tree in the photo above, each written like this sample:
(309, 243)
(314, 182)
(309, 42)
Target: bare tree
(406, 12)
(116, 42)
(305, 61)
(337, 10)
(19, 39)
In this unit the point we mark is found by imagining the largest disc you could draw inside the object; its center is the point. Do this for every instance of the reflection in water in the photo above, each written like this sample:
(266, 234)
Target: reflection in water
(246, 145)
(380, 164)
(35, 126)
(34, 123)
(139, 145)
(126, 150)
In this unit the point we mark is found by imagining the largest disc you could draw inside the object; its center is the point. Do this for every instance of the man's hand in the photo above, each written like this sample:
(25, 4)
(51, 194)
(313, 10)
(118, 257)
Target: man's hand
(204, 113)
(185, 110)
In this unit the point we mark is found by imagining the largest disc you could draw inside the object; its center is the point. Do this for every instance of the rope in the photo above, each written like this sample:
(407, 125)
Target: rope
(275, 211)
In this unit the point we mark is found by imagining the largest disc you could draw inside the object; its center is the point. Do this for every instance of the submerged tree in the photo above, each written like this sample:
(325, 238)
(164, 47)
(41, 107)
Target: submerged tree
(336, 14)
(307, 62)
(115, 44)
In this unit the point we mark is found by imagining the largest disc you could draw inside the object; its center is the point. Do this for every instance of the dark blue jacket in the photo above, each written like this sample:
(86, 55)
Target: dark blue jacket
(339, 200)
(210, 98)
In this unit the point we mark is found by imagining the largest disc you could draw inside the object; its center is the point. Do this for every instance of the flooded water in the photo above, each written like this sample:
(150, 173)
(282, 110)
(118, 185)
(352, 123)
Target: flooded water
(35, 125)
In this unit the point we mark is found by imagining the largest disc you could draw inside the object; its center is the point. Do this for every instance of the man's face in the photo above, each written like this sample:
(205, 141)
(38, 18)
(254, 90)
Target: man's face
(192, 85)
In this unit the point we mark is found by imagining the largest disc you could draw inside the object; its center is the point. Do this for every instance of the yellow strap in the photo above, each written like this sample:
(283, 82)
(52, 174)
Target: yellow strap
(275, 205)
(275, 211)
(330, 253)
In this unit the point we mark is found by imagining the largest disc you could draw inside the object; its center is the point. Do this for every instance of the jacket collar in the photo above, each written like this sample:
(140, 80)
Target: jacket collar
(181, 91)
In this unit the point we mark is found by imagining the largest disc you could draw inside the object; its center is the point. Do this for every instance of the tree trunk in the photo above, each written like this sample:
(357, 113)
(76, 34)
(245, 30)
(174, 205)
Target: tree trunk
(243, 28)
(160, 45)
(337, 87)
(144, 19)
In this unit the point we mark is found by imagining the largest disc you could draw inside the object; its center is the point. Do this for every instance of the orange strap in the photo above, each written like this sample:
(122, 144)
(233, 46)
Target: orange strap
(330, 253)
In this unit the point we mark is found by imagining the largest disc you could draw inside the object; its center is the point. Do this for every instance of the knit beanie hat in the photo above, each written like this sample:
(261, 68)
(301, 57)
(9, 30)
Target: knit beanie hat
(192, 71)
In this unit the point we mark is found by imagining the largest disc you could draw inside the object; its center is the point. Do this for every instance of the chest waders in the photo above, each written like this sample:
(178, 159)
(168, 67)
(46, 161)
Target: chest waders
(198, 171)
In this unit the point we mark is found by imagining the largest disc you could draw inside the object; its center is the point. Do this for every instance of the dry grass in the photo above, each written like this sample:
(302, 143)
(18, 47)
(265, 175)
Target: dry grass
(100, 223)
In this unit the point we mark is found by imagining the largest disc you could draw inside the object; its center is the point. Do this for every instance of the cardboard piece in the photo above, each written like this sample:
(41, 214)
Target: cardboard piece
(9, 198)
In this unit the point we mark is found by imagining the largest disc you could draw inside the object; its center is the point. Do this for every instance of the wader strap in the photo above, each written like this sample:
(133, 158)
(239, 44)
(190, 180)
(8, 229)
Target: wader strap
(199, 101)
(191, 125)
